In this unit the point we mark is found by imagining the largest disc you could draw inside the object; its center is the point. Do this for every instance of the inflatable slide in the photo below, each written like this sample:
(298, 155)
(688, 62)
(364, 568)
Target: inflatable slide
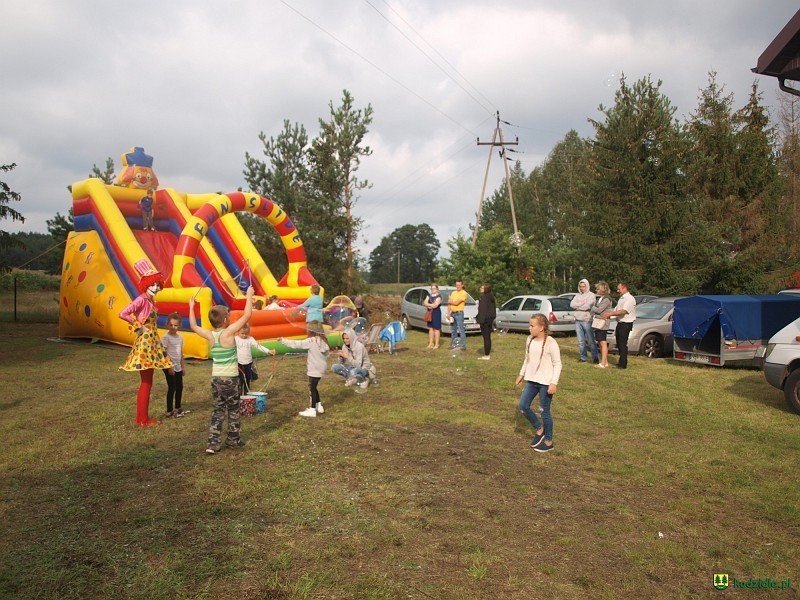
(196, 242)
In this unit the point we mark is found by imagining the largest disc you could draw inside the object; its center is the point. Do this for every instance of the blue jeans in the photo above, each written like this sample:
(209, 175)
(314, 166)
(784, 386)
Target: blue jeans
(529, 392)
(348, 372)
(457, 331)
(585, 334)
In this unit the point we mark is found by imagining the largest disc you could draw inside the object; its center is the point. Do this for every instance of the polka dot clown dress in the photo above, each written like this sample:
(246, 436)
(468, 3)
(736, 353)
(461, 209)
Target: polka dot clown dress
(147, 351)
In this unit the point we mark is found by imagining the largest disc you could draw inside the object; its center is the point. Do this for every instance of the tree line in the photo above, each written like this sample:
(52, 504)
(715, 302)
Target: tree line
(704, 205)
(707, 204)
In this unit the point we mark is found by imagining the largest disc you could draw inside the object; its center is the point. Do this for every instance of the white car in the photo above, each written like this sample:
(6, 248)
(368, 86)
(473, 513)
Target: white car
(515, 314)
(780, 359)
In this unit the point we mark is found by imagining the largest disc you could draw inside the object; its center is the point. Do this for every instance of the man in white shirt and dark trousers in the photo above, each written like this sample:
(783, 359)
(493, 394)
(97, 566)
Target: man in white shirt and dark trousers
(625, 311)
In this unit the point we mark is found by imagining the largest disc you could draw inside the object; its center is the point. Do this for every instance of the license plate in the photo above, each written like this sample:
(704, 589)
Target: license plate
(698, 358)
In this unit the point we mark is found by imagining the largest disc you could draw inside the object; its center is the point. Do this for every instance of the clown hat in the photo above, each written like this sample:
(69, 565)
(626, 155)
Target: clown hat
(148, 274)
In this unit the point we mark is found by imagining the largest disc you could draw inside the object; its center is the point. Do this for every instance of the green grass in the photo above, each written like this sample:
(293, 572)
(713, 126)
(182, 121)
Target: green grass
(424, 487)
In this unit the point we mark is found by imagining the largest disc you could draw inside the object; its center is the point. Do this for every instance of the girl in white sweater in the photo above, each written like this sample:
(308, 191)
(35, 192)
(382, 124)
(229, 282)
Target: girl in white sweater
(540, 372)
(316, 363)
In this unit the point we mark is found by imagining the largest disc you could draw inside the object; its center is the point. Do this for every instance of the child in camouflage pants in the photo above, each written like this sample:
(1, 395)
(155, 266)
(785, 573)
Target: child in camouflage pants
(224, 371)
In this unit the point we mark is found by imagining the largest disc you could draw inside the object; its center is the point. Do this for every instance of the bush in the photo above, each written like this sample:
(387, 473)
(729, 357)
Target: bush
(29, 280)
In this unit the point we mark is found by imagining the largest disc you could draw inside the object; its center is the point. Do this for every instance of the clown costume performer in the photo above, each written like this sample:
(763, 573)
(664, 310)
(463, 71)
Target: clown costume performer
(147, 353)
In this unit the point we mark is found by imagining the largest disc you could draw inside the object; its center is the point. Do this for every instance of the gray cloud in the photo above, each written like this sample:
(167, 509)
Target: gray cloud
(195, 83)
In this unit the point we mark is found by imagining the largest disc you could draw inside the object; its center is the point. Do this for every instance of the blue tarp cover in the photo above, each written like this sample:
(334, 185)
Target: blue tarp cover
(741, 317)
(393, 333)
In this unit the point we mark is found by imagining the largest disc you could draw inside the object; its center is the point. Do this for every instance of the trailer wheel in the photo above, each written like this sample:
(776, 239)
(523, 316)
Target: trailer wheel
(652, 346)
(791, 390)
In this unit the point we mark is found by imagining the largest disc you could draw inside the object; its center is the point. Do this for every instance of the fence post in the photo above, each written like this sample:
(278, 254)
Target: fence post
(15, 297)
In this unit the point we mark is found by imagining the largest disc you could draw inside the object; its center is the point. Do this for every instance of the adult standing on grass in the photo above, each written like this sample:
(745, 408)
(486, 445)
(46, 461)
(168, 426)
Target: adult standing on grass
(582, 304)
(147, 353)
(456, 303)
(602, 304)
(224, 370)
(432, 303)
(487, 311)
(625, 312)
(540, 371)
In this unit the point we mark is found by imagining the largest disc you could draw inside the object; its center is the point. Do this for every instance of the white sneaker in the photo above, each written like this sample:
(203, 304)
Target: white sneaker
(486, 357)
(364, 384)
(309, 412)
(320, 408)
(350, 382)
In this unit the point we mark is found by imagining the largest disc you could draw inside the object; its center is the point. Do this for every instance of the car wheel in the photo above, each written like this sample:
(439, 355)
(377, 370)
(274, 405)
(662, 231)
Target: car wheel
(406, 324)
(652, 346)
(791, 390)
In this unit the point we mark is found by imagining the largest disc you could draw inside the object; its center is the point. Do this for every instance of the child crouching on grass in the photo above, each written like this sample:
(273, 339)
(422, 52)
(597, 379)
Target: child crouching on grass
(354, 362)
(224, 371)
(316, 363)
(540, 371)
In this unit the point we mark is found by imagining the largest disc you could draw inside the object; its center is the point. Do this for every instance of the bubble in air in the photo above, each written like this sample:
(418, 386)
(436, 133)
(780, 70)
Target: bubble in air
(361, 384)
(458, 363)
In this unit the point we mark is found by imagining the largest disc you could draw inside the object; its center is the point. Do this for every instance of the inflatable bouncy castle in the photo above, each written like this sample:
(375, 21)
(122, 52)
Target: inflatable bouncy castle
(197, 244)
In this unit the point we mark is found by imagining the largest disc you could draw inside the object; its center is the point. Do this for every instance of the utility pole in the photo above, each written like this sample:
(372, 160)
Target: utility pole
(498, 135)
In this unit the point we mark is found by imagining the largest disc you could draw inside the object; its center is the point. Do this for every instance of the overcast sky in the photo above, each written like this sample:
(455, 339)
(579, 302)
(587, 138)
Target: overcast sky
(194, 83)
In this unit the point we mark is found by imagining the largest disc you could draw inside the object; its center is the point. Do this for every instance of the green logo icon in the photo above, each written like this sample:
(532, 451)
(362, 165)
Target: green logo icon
(720, 581)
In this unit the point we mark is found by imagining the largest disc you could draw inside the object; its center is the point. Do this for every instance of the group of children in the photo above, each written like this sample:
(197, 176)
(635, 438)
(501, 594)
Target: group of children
(231, 349)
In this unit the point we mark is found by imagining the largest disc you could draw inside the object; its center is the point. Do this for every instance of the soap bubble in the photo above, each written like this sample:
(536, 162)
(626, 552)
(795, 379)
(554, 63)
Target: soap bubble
(339, 312)
(361, 384)
(359, 325)
(516, 239)
(611, 80)
(458, 364)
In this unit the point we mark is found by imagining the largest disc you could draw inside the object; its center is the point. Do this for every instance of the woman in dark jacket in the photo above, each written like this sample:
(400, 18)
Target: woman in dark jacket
(487, 311)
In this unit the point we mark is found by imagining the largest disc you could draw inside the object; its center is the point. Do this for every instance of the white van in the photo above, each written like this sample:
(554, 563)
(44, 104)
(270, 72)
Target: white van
(780, 359)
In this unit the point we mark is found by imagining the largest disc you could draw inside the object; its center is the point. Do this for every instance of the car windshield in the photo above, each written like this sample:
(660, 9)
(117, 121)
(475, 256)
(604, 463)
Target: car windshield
(653, 310)
(446, 295)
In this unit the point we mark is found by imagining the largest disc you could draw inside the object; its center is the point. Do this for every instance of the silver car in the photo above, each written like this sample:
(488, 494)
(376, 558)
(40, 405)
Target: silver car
(651, 335)
(412, 309)
(515, 315)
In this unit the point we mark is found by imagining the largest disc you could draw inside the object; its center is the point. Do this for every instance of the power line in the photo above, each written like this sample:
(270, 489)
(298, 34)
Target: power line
(426, 55)
(373, 65)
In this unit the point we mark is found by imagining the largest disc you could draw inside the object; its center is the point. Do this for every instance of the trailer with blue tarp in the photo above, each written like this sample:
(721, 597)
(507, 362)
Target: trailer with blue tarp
(720, 330)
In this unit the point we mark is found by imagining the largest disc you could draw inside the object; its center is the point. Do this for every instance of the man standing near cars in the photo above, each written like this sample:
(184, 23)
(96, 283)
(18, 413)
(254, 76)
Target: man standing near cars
(582, 304)
(625, 311)
(456, 303)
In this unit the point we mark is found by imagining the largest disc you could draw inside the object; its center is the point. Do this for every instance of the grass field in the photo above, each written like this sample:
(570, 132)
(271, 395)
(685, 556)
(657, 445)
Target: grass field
(424, 487)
